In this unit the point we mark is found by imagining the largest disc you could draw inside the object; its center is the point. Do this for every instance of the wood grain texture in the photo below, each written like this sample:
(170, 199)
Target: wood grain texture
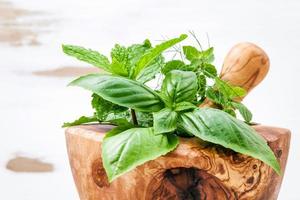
(195, 170)
(246, 65)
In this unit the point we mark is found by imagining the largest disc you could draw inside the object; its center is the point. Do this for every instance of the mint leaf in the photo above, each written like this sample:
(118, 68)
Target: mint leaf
(122, 152)
(172, 65)
(81, 120)
(104, 108)
(216, 96)
(121, 91)
(147, 58)
(145, 119)
(136, 51)
(190, 52)
(201, 85)
(120, 60)
(218, 127)
(179, 86)
(209, 70)
(164, 121)
(207, 56)
(244, 111)
(87, 55)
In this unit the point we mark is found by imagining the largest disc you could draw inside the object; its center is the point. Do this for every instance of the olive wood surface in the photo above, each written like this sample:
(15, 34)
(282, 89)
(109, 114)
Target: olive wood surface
(194, 170)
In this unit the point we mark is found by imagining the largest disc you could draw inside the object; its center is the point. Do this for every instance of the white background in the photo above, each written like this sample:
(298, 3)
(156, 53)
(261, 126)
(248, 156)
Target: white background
(33, 108)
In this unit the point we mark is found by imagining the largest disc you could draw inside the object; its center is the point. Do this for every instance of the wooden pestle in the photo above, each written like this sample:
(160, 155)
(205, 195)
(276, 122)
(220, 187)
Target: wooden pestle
(246, 65)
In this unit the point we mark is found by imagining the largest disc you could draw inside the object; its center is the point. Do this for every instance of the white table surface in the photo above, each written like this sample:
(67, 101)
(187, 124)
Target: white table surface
(33, 107)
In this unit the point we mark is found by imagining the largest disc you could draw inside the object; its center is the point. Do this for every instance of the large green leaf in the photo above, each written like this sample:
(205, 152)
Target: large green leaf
(164, 121)
(87, 55)
(121, 91)
(147, 58)
(122, 152)
(179, 86)
(218, 127)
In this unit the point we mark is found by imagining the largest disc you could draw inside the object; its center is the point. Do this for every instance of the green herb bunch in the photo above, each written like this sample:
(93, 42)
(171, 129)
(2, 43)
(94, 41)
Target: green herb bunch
(148, 122)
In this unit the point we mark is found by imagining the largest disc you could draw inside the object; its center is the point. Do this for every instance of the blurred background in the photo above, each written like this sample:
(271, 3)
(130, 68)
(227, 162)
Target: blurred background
(34, 99)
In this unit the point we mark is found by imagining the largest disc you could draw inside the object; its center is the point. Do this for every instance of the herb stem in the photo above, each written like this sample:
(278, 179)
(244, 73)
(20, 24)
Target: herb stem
(133, 116)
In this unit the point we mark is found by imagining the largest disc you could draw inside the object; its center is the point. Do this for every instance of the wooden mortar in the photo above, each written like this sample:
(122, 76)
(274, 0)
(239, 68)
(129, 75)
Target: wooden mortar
(195, 170)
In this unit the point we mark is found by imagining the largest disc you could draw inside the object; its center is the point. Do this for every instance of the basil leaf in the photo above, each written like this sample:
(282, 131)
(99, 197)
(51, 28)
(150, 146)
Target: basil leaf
(218, 127)
(122, 152)
(238, 92)
(81, 120)
(243, 110)
(190, 52)
(230, 111)
(121, 91)
(147, 58)
(183, 106)
(117, 130)
(87, 55)
(164, 121)
(229, 91)
(179, 86)
(120, 122)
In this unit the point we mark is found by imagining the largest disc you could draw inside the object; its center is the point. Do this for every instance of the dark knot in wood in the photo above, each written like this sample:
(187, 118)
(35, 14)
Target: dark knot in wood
(98, 174)
(188, 184)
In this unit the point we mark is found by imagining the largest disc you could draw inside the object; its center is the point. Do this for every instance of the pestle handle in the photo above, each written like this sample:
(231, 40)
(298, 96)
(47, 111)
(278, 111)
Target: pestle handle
(246, 65)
